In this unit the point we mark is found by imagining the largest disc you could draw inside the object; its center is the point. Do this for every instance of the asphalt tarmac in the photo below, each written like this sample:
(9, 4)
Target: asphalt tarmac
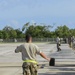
(10, 62)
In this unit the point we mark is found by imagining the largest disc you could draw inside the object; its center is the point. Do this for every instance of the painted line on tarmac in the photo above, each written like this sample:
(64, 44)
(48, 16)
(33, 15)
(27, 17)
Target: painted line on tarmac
(62, 71)
(5, 52)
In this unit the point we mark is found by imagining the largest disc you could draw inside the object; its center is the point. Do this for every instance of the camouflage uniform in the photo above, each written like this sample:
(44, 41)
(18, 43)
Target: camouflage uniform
(29, 51)
(29, 68)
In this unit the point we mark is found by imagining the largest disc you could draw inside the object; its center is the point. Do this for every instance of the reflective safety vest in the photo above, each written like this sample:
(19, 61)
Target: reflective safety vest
(33, 61)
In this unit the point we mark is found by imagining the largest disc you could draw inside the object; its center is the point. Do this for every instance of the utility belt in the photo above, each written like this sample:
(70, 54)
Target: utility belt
(32, 61)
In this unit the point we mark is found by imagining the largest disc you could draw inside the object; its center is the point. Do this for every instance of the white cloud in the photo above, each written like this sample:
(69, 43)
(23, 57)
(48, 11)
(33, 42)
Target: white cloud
(14, 24)
(32, 22)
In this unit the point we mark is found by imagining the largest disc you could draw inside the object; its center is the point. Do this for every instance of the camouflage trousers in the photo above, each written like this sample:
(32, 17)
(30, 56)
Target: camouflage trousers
(58, 47)
(29, 68)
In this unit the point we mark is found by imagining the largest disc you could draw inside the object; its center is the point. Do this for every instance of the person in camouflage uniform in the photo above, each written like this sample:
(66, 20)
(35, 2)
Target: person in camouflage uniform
(58, 44)
(29, 51)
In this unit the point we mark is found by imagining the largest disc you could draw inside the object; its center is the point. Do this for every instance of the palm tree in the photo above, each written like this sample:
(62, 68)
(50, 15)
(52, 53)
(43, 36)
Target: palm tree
(24, 28)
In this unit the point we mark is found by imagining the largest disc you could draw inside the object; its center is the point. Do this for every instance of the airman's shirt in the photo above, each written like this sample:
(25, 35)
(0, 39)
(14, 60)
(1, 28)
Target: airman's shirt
(28, 50)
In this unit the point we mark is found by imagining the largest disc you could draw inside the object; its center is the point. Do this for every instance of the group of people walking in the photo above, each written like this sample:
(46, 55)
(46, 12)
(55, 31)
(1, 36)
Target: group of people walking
(70, 40)
(29, 51)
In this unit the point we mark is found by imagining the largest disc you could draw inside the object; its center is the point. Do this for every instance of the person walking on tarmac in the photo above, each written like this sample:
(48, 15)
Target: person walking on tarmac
(29, 51)
(58, 44)
(70, 41)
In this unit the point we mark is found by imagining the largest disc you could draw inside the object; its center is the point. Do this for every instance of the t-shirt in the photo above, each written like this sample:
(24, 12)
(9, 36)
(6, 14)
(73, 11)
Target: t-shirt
(28, 50)
(58, 40)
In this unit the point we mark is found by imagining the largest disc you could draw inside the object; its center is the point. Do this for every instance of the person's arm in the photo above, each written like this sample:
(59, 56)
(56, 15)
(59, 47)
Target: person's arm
(41, 53)
(18, 49)
(44, 56)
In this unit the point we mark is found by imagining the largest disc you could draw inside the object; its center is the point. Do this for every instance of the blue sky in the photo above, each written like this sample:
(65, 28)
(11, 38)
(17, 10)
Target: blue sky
(16, 13)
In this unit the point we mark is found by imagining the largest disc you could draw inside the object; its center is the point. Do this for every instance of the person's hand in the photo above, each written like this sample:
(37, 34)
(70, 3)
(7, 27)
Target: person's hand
(48, 59)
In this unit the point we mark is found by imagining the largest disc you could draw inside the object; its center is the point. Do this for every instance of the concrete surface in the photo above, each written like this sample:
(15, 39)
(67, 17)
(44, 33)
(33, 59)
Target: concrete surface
(10, 62)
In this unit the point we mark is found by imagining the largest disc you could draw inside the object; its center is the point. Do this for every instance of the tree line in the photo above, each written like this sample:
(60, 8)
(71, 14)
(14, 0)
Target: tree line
(37, 31)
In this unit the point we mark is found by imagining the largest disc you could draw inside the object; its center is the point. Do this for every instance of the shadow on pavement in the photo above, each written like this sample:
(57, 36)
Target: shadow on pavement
(67, 73)
(65, 65)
